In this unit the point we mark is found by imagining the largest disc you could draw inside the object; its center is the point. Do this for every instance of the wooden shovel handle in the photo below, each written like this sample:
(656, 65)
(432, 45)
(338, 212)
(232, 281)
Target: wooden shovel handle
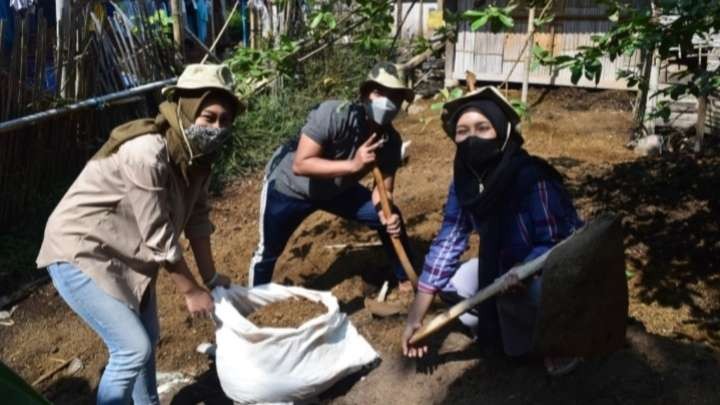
(397, 244)
(523, 271)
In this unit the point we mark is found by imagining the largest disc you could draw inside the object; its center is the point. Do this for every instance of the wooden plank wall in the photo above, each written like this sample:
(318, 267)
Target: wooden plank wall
(491, 56)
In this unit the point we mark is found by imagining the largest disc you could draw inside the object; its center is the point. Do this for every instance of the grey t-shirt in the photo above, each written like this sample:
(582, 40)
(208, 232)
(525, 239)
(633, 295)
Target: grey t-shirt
(340, 127)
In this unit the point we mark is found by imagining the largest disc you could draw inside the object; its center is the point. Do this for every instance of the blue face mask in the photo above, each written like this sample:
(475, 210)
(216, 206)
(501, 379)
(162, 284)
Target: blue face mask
(382, 110)
(206, 140)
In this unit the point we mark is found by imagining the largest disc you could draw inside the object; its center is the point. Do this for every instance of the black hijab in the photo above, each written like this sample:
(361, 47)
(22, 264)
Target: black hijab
(480, 191)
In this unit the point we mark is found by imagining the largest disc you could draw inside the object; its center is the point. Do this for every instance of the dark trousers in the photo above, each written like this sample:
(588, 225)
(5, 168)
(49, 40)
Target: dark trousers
(280, 215)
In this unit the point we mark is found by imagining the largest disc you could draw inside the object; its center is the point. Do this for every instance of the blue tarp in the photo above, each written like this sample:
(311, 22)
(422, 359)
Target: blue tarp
(8, 29)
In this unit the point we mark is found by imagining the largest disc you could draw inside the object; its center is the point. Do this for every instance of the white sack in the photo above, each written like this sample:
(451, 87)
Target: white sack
(283, 364)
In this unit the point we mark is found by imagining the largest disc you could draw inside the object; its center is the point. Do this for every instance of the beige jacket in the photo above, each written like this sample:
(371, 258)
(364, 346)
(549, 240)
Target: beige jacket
(122, 217)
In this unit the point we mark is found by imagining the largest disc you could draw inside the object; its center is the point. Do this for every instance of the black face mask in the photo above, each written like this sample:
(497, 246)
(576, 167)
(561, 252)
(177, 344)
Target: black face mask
(479, 154)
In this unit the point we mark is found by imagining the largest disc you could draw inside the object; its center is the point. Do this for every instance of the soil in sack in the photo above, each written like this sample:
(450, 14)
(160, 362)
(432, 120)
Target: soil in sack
(288, 313)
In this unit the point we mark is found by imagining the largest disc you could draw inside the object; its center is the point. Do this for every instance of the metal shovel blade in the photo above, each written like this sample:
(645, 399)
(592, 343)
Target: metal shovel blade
(584, 299)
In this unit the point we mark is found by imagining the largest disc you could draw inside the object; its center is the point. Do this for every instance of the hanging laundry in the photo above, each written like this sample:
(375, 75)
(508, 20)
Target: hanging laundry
(262, 9)
(202, 17)
(8, 29)
(20, 5)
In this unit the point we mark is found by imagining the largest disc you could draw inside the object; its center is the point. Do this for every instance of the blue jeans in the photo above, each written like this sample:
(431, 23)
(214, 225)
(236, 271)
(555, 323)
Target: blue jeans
(280, 216)
(130, 336)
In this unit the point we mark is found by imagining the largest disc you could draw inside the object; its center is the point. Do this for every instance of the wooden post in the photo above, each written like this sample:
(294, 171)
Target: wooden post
(177, 19)
(62, 12)
(449, 50)
(528, 56)
(700, 125)
(251, 15)
(651, 104)
(398, 16)
(421, 31)
(211, 14)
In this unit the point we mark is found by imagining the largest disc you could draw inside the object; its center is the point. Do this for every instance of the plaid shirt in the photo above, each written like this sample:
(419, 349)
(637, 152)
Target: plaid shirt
(537, 222)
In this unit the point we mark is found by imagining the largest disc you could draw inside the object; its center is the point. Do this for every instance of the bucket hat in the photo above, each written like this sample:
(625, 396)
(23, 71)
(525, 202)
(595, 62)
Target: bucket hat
(388, 75)
(491, 93)
(205, 76)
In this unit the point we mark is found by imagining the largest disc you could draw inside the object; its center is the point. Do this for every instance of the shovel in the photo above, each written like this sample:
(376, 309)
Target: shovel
(523, 271)
(584, 298)
(397, 244)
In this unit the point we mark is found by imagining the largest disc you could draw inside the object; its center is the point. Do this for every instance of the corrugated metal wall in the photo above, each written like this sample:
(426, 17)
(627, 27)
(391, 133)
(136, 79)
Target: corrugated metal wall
(491, 56)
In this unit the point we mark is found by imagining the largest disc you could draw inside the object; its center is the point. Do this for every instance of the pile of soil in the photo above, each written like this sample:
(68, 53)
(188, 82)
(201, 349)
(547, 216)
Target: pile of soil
(289, 313)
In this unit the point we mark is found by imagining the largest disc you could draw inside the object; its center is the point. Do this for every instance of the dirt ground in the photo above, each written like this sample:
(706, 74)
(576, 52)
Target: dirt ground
(669, 210)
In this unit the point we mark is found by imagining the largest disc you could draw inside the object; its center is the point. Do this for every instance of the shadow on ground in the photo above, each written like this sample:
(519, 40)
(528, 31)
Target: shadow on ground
(649, 370)
(669, 210)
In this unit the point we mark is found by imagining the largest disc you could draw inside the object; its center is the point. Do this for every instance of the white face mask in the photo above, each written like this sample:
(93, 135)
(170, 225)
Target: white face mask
(382, 110)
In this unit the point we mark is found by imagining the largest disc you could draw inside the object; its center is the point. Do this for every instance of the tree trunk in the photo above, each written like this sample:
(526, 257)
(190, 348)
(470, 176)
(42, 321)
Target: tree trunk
(641, 101)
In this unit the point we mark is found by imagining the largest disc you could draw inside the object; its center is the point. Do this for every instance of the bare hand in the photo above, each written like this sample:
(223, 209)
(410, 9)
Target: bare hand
(392, 224)
(365, 155)
(412, 350)
(199, 302)
(512, 284)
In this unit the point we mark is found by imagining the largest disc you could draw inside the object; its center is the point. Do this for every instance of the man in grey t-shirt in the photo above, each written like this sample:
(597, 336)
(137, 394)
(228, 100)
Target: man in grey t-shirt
(320, 170)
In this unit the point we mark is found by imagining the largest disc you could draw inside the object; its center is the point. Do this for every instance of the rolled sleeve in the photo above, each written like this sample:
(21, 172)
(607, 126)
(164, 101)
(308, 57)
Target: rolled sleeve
(443, 259)
(147, 194)
(199, 224)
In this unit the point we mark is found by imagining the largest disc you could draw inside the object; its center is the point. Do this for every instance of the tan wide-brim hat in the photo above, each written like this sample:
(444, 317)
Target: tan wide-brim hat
(490, 93)
(390, 76)
(205, 76)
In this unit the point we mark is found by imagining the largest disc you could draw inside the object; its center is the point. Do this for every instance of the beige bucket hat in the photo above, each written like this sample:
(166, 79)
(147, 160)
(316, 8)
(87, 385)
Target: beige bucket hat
(388, 75)
(205, 76)
(490, 93)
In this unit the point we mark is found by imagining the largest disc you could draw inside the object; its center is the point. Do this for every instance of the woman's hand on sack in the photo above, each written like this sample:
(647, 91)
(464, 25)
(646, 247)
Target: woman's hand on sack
(412, 350)
(222, 281)
(392, 224)
(199, 302)
(218, 280)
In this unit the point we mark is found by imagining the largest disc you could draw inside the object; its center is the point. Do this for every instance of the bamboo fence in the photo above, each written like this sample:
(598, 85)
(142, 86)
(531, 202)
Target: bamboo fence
(96, 54)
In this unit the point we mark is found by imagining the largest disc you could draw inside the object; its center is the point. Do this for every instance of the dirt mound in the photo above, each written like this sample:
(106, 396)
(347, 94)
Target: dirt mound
(290, 313)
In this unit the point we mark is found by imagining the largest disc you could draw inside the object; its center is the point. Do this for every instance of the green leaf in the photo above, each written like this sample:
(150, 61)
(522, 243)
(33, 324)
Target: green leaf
(576, 73)
(436, 106)
(316, 21)
(507, 21)
(474, 13)
(480, 22)
(456, 93)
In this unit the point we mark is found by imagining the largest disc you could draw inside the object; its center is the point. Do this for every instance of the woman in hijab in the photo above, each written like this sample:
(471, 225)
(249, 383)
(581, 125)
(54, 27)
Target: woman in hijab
(520, 208)
(121, 221)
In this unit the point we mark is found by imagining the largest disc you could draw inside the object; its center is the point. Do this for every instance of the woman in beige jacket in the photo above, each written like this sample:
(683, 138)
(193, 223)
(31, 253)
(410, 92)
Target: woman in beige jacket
(121, 221)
